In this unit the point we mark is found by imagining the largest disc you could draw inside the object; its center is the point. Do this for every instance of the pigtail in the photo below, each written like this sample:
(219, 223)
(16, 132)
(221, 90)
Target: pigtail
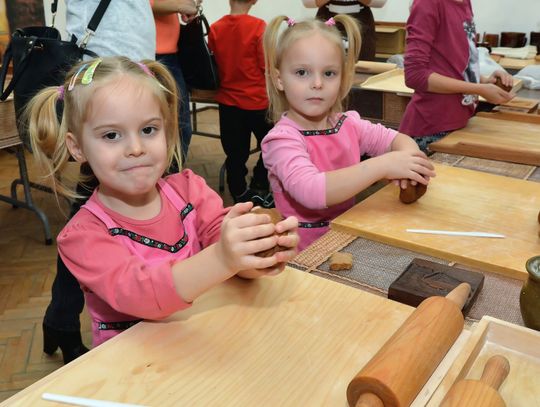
(271, 63)
(47, 138)
(355, 42)
(172, 95)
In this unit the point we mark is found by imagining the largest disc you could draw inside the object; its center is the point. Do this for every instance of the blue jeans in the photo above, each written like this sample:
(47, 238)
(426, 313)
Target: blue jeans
(424, 141)
(184, 117)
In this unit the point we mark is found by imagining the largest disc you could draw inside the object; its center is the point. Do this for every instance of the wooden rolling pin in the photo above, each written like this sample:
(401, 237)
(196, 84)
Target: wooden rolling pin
(399, 370)
(483, 392)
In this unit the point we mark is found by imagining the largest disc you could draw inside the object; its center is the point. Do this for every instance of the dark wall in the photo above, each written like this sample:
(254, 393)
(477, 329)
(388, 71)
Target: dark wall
(23, 13)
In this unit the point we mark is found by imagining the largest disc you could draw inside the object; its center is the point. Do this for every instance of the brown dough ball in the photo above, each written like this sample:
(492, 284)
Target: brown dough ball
(407, 195)
(538, 217)
(503, 87)
(420, 190)
(412, 192)
(275, 217)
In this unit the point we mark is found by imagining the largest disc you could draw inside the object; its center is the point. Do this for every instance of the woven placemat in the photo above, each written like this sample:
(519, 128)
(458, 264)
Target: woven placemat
(321, 249)
(448, 159)
(506, 169)
(535, 175)
(377, 265)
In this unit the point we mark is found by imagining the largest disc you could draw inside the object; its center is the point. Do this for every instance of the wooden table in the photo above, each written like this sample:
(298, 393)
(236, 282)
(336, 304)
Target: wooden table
(291, 340)
(503, 140)
(460, 200)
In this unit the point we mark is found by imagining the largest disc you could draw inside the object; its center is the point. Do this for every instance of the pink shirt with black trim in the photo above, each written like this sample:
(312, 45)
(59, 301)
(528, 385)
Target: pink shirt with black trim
(124, 265)
(297, 160)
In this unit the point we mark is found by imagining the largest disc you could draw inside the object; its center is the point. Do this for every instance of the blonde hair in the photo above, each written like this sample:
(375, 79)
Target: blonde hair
(48, 134)
(276, 44)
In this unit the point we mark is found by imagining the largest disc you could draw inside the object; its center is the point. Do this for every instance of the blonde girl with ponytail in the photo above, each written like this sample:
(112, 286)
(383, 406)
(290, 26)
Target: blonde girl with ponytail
(313, 152)
(145, 244)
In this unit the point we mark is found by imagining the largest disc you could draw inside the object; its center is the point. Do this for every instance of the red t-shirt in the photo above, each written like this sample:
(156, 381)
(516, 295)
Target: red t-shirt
(236, 41)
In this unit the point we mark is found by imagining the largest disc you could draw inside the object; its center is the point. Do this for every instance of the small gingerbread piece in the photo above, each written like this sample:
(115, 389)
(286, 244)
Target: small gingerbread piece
(275, 217)
(341, 261)
(412, 193)
(538, 217)
(499, 83)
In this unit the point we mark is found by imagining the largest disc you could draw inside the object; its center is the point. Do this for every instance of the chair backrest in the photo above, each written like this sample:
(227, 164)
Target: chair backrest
(9, 135)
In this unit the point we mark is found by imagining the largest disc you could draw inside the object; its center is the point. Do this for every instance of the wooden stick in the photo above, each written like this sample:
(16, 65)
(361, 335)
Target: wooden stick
(83, 401)
(455, 233)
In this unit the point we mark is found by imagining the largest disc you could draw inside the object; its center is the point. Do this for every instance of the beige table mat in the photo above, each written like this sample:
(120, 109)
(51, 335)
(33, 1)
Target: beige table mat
(377, 265)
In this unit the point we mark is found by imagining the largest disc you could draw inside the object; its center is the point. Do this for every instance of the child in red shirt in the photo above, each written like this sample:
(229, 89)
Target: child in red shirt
(236, 40)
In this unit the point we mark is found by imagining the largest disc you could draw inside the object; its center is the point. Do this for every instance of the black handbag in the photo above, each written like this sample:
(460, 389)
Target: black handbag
(40, 58)
(196, 60)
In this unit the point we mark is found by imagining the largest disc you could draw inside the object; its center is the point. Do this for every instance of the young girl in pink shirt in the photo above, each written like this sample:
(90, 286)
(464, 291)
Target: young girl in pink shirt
(313, 152)
(145, 245)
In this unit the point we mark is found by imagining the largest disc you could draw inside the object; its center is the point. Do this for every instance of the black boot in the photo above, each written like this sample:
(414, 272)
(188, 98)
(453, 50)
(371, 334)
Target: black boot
(69, 342)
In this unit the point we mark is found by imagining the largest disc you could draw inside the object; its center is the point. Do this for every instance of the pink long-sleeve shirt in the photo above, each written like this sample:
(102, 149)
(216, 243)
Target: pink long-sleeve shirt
(298, 159)
(441, 39)
(126, 286)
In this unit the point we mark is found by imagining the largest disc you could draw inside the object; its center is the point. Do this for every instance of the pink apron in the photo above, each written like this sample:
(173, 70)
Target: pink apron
(107, 322)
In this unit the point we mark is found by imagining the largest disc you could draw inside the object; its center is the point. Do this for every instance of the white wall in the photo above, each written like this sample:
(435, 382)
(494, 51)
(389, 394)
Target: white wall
(491, 16)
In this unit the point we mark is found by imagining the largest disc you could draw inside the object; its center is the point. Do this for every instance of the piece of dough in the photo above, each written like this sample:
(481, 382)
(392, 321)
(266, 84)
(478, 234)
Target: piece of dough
(275, 217)
(341, 261)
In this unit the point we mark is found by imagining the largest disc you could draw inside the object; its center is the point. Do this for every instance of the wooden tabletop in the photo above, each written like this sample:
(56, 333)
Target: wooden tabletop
(290, 340)
(457, 199)
(503, 140)
(394, 81)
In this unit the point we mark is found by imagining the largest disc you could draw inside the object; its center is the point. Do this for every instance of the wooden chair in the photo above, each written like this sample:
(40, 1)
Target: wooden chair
(10, 140)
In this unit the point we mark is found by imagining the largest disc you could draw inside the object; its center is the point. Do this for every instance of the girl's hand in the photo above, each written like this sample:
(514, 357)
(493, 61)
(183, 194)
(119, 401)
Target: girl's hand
(290, 241)
(244, 234)
(493, 94)
(505, 77)
(408, 164)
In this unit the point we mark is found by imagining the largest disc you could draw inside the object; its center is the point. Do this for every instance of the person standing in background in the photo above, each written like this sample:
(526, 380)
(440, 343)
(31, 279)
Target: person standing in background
(168, 31)
(127, 29)
(358, 9)
(445, 75)
(236, 40)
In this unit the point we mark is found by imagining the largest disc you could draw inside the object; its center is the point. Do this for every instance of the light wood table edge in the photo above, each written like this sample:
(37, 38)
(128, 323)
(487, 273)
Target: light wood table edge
(512, 116)
(488, 152)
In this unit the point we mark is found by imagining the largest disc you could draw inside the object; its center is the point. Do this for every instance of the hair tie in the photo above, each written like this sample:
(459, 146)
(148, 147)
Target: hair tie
(330, 22)
(61, 92)
(145, 68)
(291, 21)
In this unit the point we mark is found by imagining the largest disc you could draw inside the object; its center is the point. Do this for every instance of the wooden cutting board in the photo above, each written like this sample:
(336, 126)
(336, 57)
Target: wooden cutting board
(394, 81)
(372, 67)
(501, 140)
(290, 340)
(458, 200)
